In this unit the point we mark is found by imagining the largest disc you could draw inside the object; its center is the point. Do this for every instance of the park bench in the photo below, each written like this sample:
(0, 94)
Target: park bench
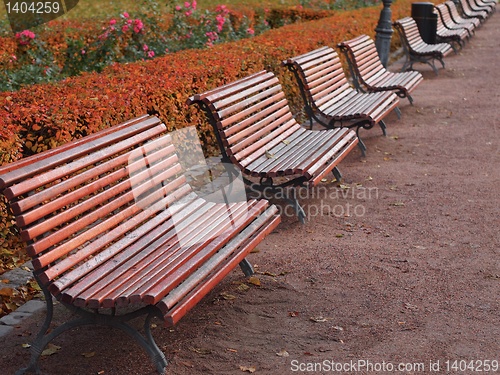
(329, 98)
(115, 232)
(444, 17)
(370, 75)
(469, 11)
(257, 132)
(416, 50)
(456, 37)
(487, 5)
(469, 23)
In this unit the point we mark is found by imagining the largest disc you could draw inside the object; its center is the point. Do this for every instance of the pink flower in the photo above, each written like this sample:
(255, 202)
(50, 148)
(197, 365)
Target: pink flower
(138, 26)
(125, 14)
(250, 31)
(112, 22)
(25, 37)
(212, 35)
(83, 52)
(145, 48)
(125, 28)
(188, 13)
(194, 4)
(178, 7)
(187, 4)
(151, 54)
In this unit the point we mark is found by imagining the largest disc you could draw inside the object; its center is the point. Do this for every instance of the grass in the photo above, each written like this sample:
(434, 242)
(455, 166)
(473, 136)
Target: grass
(105, 9)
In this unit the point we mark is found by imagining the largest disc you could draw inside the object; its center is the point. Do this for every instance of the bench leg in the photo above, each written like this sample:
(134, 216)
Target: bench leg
(246, 267)
(337, 174)
(398, 112)
(292, 199)
(85, 318)
(361, 144)
(383, 126)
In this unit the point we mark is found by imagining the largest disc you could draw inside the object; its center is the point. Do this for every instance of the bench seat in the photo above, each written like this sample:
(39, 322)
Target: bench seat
(370, 75)
(258, 133)
(330, 99)
(111, 222)
(416, 50)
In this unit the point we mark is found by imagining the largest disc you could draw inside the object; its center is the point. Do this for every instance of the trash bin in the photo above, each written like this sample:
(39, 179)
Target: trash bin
(426, 20)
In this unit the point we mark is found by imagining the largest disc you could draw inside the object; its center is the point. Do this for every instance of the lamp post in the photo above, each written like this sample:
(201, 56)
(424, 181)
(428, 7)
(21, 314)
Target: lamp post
(384, 32)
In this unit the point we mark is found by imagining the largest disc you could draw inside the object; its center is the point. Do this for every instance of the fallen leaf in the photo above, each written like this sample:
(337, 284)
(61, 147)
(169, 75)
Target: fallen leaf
(243, 287)
(51, 349)
(89, 354)
(339, 235)
(200, 350)
(232, 350)
(397, 204)
(338, 328)
(247, 369)
(318, 319)
(395, 137)
(100, 372)
(187, 364)
(254, 280)
(342, 186)
(5, 281)
(283, 353)
(227, 296)
(270, 155)
(369, 178)
(26, 346)
(286, 141)
(7, 292)
(293, 313)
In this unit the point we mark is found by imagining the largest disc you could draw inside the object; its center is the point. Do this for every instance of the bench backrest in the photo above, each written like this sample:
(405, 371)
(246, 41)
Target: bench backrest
(321, 74)
(408, 29)
(79, 202)
(250, 115)
(364, 58)
(444, 15)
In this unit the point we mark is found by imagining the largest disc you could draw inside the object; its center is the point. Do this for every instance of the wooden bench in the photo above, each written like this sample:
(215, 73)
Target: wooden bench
(486, 5)
(258, 133)
(470, 11)
(457, 16)
(370, 75)
(444, 17)
(416, 50)
(330, 99)
(457, 37)
(112, 226)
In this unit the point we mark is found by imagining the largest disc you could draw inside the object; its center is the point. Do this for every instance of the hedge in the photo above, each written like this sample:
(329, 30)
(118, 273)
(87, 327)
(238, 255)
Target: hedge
(44, 116)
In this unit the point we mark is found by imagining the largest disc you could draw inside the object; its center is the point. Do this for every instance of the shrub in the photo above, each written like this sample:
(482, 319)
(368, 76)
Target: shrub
(44, 116)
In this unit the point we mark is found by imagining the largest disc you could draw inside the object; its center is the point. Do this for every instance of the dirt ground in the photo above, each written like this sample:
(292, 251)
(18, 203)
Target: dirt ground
(398, 265)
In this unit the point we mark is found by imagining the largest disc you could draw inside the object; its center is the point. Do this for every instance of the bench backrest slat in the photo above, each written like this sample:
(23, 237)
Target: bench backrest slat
(248, 114)
(321, 74)
(27, 167)
(75, 204)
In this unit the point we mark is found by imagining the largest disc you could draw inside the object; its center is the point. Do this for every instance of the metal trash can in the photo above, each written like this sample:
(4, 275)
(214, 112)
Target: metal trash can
(426, 20)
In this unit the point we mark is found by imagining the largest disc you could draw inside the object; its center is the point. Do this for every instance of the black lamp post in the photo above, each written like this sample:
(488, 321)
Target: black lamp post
(384, 32)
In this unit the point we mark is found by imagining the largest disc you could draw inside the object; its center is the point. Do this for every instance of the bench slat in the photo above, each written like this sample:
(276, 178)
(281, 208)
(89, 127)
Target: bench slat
(182, 299)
